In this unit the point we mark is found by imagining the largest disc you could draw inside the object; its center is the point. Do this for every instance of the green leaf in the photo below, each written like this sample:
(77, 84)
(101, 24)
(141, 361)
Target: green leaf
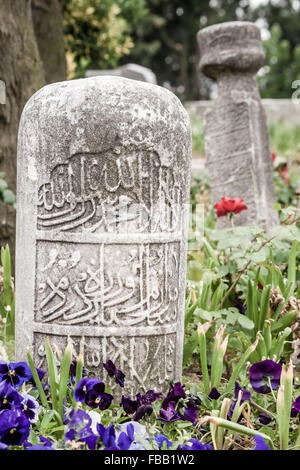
(3, 185)
(292, 263)
(52, 371)
(189, 347)
(64, 376)
(9, 197)
(37, 381)
(245, 322)
(285, 321)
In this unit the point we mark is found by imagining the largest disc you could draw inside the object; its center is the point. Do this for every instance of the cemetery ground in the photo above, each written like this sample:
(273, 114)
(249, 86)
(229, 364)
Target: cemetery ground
(240, 383)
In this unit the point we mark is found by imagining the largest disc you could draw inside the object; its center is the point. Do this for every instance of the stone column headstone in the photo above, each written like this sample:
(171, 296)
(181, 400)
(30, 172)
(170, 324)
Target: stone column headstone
(236, 134)
(102, 220)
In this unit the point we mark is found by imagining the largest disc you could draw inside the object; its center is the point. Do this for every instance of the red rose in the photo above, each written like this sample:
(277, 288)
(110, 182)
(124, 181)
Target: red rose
(229, 205)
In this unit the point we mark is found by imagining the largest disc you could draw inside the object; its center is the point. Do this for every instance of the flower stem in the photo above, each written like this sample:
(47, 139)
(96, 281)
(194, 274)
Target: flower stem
(263, 410)
(272, 391)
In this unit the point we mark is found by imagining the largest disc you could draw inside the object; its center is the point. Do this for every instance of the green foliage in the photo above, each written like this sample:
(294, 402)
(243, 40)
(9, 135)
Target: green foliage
(6, 194)
(281, 67)
(285, 140)
(98, 34)
(7, 301)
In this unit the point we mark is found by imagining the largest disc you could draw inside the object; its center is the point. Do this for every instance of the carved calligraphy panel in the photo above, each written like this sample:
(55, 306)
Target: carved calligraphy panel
(107, 284)
(111, 192)
(156, 367)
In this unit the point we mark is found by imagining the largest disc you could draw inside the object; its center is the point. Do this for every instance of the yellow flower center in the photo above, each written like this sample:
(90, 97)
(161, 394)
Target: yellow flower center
(97, 400)
(11, 372)
(12, 430)
(4, 401)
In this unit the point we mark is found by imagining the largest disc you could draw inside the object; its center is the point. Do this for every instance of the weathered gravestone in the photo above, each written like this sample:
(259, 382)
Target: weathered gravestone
(103, 195)
(236, 133)
(132, 71)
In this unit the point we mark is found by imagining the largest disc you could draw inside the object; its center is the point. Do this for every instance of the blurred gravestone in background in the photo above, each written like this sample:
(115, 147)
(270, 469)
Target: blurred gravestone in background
(133, 71)
(236, 133)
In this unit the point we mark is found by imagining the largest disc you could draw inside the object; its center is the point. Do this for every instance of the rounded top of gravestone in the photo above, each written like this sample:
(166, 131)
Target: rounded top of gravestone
(235, 46)
(95, 114)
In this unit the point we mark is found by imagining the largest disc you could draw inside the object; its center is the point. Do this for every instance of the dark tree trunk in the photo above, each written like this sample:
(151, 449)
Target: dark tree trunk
(22, 73)
(31, 55)
(48, 27)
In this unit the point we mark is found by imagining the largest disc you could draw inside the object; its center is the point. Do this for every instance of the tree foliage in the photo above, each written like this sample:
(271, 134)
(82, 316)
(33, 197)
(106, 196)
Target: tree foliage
(98, 33)
(282, 66)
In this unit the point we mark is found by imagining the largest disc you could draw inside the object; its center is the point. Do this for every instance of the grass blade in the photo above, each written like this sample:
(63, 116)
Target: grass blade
(64, 377)
(37, 381)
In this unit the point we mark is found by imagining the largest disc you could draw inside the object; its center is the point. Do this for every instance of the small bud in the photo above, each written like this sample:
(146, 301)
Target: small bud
(204, 327)
(254, 345)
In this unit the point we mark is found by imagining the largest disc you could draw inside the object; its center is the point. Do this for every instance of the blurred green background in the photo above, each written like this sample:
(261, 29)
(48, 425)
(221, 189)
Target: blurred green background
(161, 35)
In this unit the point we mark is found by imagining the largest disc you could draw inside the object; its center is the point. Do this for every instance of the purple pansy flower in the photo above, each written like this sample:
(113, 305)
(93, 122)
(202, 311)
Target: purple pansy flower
(9, 397)
(97, 398)
(14, 427)
(142, 411)
(129, 406)
(264, 419)
(73, 370)
(40, 373)
(81, 389)
(39, 447)
(135, 406)
(30, 407)
(170, 415)
(214, 394)
(240, 306)
(149, 397)
(195, 445)
(45, 441)
(295, 407)
(190, 414)
(174, 394)
(258, 373)
(160, 439)
(79, 429)
(127, 439)
(246, 395)
(45, 444)
(114, 372)
(260, 443)
(92, 393)
(108, 435)
(15, 373)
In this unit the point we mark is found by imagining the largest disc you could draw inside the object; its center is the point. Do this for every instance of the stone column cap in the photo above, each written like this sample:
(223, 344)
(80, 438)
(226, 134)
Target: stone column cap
(234, 45)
